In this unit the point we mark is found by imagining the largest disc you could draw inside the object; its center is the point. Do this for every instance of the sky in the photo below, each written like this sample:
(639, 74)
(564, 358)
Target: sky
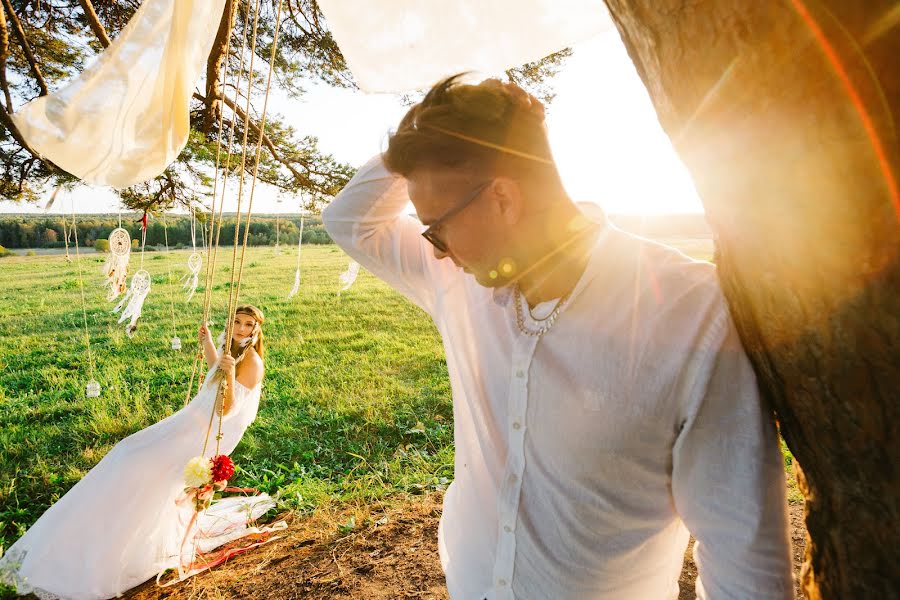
(604, 132)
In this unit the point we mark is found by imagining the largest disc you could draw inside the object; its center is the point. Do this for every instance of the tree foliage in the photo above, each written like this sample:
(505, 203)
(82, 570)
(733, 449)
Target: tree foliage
(43, 43)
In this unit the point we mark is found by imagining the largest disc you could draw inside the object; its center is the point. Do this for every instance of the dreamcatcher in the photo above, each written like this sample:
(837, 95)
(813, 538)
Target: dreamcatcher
(349, 276)
(116, 267)
(133, 301)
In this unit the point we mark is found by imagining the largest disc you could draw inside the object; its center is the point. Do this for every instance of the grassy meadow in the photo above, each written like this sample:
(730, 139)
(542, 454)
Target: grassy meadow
(356, 400)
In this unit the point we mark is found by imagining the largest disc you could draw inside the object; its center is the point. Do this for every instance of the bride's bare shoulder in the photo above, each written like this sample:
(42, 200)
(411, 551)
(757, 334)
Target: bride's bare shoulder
(250, 370)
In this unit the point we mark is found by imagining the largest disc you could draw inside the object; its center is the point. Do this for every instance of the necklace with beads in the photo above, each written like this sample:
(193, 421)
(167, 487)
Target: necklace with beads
(547, 321)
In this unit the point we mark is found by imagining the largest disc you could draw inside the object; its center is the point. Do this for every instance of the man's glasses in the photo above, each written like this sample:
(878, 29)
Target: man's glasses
(431, 234)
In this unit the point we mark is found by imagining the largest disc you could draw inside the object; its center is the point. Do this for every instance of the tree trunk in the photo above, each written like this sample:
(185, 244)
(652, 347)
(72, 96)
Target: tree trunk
(214, 65)
(785, 113)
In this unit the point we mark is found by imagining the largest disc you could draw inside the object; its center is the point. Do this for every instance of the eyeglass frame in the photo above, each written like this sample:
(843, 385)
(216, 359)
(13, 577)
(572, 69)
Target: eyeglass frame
(430, 233)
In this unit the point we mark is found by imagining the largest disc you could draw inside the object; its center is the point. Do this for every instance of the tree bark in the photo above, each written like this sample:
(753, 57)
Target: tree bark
(94, 22)
(785, 113)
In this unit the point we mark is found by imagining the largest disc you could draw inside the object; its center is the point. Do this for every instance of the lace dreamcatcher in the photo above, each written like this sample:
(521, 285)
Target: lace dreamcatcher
(116, 267)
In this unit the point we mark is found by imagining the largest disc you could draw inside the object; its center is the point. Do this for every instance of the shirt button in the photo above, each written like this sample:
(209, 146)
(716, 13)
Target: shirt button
(507, 529)
(502, 582)
(516, 425)
(520, 373)
(513, 477)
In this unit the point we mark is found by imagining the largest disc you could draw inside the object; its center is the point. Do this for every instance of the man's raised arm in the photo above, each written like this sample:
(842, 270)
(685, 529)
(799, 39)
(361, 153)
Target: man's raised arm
(367, 220)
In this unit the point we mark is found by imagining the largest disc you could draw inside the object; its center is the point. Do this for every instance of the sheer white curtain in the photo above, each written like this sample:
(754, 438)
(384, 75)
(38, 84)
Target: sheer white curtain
(404, 45)
(124, 119)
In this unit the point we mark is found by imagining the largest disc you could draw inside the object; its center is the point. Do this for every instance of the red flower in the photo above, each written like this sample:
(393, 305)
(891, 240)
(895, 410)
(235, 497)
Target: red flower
(223, 468)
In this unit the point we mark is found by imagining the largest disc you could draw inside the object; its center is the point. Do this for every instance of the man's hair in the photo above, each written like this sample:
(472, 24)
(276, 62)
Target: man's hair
(492, 127)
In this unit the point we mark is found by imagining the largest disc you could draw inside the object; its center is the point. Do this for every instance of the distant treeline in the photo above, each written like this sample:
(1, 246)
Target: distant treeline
(33, 231)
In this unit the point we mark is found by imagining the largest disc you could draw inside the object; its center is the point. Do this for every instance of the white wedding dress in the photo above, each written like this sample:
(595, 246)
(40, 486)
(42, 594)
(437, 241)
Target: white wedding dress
(120, 525)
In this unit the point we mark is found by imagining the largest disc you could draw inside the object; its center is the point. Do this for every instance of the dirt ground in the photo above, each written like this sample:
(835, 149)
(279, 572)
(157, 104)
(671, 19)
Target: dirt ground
(390, 553)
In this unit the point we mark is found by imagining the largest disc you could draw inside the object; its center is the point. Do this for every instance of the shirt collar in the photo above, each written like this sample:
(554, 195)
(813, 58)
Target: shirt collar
(502, 296)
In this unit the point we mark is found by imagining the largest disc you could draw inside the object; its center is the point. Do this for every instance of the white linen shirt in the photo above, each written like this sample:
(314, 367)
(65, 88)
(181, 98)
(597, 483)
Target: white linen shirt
(584, 456)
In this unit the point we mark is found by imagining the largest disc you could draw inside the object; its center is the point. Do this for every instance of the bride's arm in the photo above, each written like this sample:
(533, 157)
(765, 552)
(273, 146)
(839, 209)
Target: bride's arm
(209, 349)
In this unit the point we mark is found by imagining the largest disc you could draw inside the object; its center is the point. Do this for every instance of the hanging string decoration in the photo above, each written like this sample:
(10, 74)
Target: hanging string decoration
(176, 341)
(134, 301)
(296, 287)
(191, 279)
(92, 389)
(116, 267)
(349, 276)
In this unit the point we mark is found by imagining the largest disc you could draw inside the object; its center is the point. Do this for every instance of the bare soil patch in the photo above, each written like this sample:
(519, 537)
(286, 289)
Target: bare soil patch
(391, 552)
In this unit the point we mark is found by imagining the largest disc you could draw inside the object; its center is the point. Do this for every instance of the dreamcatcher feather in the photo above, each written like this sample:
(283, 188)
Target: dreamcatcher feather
(349, 276)
(134, 301)
(192, 279)
(116, 267)
(296, 287)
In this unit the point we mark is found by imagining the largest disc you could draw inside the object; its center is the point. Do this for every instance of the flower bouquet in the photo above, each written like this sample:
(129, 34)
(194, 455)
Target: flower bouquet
(203, 477)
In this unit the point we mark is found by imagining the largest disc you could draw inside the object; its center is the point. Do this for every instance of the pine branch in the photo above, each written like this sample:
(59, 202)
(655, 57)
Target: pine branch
(26, 48)
(94, 22)
(255, 129)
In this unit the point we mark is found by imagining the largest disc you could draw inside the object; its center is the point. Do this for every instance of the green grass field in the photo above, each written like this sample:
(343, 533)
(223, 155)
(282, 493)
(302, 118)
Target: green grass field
(356, 403)
(350, 381)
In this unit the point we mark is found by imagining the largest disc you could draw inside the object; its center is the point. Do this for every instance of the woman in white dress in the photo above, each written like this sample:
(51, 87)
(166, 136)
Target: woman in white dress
(121, 524)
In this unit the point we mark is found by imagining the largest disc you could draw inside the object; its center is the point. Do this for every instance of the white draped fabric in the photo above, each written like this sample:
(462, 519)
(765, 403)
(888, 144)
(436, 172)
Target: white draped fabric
(125, 118)
(406, 45)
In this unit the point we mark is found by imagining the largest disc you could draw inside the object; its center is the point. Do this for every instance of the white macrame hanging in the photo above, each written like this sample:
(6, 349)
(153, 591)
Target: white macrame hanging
(349, 276)
(192, 278)
(134, 300)
(126, 117)
(195, 262)
(296, 287)
(116, 267)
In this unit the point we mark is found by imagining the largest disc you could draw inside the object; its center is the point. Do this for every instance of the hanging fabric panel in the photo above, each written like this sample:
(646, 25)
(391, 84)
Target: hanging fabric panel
(406, 45)
(125, 118)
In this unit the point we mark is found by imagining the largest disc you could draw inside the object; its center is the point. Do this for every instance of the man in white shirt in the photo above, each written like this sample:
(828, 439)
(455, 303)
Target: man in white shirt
(603, 406)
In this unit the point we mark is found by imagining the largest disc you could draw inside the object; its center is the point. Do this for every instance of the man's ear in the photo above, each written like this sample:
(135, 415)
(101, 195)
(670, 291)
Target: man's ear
(508, 199)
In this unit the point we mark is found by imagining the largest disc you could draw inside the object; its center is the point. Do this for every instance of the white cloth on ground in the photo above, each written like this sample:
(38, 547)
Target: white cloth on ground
(120, 524)
(584, 457)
